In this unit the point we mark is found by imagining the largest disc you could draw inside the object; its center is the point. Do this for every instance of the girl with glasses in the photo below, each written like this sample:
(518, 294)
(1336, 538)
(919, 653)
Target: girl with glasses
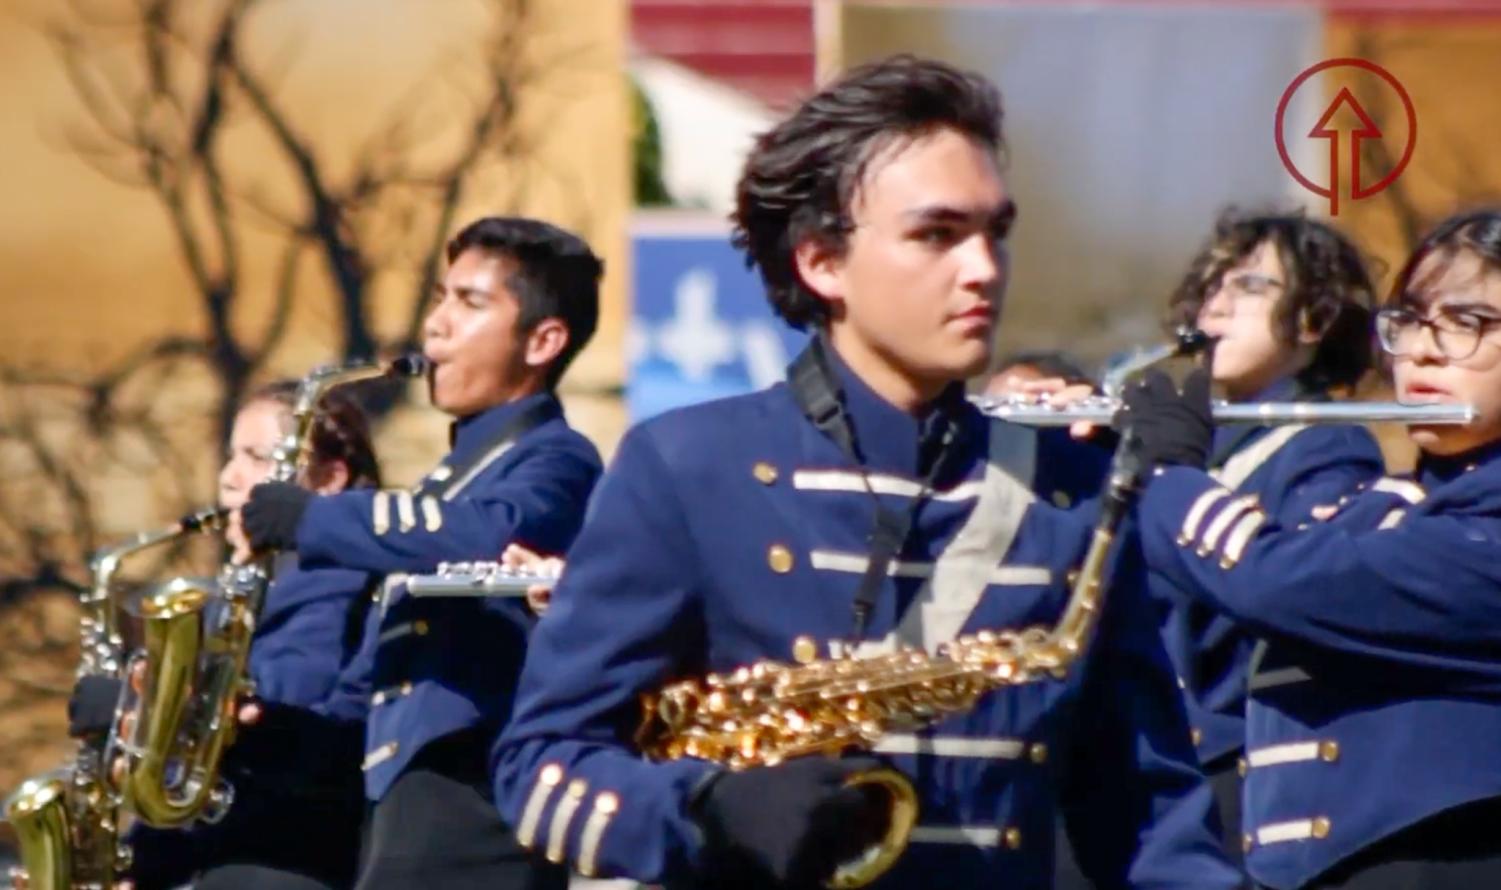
(1375, 705)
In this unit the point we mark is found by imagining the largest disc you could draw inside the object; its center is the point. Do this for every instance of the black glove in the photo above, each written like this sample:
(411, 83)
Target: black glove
(91, 707)
(787, 826)
(271, 515)
(299, 751)
(1170, 427)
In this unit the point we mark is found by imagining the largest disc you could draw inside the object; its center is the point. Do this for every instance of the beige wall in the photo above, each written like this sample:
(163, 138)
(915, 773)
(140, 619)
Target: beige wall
(90, 271)
(1452, 70)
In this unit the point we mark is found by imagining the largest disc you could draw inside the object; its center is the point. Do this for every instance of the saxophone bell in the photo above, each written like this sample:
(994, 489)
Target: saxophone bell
(169, 744)
(900, 803)
(38, 811)
(67, 822)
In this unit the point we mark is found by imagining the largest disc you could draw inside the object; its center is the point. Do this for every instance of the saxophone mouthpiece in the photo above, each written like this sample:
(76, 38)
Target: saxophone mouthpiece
(1191, 340)
(413, 364)
(204, 520)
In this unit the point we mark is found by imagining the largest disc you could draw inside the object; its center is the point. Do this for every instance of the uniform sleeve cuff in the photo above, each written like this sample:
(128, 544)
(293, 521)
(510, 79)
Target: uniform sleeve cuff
(1185, 508)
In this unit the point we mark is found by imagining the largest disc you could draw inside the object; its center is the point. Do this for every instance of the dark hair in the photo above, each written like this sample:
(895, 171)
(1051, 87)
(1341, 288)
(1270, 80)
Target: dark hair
(1328, 289)
(557, 276)
(341, 431)
(1478, 231)
(802, 174)
(1050, 362)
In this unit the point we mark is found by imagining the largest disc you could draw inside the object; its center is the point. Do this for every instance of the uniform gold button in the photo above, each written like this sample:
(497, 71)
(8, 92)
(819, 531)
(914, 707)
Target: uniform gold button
(378, 699)
(1013, 838)
(764, 472)
(1242, 766)
(1329, 751)
(1321, 827)
(1039, 753)
(1061, 500)
(420, 627)
(804, 650)
(779, 558)
(1246, 842)
(1196, 735)
(406, 688)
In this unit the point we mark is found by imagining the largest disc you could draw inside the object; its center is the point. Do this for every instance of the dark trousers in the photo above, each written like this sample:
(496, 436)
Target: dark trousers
(269, 840)
(437, 829)
(1458, 849)
(1225, 783)
(249, 876)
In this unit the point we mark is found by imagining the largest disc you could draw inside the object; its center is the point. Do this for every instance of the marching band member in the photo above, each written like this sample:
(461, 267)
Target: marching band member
(1288, 302)
(1375, 709)
(295, 820)
(741, 529)
(517, 303)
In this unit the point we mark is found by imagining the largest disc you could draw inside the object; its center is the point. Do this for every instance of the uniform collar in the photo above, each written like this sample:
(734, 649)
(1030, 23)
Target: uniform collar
(1230, 439)
(477, 429)
(1434, 471)
(888, 438)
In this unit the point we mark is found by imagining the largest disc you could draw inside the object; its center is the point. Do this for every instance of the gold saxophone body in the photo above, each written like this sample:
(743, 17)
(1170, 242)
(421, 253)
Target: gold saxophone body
(768, 712)
(67, 822)
(190, 674)
(771, 711)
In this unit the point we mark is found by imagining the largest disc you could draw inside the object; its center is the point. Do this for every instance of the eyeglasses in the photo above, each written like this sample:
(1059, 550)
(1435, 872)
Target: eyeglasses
(1245, 291)
(1457, 333)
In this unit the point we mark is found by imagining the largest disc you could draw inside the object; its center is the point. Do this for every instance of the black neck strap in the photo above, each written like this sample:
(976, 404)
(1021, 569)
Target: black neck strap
(819, 396)
(513, 429)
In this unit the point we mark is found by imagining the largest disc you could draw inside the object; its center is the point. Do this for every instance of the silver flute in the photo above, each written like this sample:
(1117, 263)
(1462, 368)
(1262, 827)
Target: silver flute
(479, 579)
(1032, 411)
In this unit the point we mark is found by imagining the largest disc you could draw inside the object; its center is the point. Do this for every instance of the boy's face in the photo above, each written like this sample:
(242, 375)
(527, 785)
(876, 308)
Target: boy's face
(919, 285)
(471, 337)
(1240, 312)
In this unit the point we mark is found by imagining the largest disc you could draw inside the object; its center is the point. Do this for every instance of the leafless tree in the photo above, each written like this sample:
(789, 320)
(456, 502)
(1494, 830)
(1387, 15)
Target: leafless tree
(162, 87)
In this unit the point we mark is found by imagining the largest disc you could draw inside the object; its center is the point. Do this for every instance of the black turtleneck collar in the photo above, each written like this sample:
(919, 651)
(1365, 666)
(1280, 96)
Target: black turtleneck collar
(1434, 470)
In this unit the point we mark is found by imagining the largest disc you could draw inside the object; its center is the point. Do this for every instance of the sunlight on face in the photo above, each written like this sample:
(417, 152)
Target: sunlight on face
(1240, 313)
(919, 286)
(470, 335)
(1461, 285)
(257, 428)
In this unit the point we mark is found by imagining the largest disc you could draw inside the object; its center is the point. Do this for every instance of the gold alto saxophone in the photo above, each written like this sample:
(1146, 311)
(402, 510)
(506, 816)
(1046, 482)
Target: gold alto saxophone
(190, 675)
(67, 821)
(768, 712)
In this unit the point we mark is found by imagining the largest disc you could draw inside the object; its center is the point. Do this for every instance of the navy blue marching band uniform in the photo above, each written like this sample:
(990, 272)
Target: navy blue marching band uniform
(1375, 709)
(1287, 471)
(295, 820)
(438, 675)
(725, 531)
